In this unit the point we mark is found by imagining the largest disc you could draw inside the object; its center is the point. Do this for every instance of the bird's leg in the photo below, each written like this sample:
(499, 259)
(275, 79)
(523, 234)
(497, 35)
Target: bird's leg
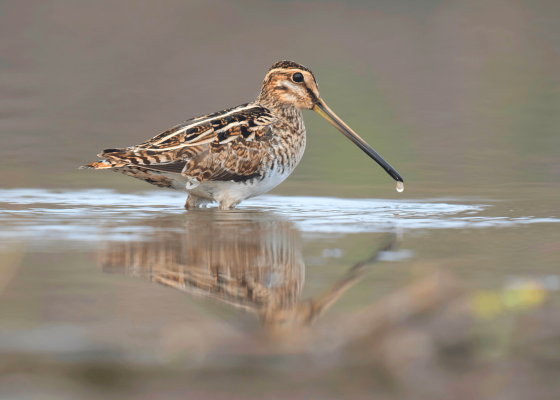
(227, 205)
(228, 200)
(194, 202)
(189, 204)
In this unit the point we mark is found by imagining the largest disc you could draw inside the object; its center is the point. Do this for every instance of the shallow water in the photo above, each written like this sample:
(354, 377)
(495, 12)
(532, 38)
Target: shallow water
(485, 241)
(120, 292)
(105, 283)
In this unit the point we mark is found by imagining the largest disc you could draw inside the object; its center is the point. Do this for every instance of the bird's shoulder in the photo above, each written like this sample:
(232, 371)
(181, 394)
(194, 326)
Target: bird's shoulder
(248, 121)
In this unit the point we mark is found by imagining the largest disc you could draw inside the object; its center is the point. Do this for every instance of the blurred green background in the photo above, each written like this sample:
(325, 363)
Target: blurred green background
(460, 96)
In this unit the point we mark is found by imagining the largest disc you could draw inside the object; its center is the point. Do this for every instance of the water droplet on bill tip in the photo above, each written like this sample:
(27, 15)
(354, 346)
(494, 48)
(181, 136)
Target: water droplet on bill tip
(400, 187)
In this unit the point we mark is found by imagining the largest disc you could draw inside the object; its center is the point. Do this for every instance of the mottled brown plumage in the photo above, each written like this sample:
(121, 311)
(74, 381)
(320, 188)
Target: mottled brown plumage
(250, 263)
(235, 154)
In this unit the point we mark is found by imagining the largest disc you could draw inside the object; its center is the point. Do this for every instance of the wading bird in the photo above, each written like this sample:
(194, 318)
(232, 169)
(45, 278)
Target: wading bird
(238, 153)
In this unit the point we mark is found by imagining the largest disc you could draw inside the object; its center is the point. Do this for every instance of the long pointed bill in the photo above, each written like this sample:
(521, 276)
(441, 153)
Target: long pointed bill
(325, 112)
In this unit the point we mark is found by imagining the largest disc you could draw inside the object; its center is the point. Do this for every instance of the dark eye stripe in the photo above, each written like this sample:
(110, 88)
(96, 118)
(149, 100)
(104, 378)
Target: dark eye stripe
(297, 77)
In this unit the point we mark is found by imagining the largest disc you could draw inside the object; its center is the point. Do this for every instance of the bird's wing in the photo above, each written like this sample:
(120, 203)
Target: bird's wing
(227, 145)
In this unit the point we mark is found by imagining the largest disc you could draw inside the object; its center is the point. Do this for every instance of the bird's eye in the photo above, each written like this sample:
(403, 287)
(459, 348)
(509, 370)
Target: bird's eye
(297, 77)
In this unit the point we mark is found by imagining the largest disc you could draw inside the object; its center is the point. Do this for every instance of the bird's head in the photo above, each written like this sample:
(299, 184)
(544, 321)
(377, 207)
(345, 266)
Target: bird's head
(290, 85)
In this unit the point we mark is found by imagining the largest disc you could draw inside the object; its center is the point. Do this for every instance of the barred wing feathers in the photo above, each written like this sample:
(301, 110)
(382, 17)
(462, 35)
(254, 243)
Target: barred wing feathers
(227, 145)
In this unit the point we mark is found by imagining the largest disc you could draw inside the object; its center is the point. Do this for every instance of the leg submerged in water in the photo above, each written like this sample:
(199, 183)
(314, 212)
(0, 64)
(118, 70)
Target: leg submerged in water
(194, 202)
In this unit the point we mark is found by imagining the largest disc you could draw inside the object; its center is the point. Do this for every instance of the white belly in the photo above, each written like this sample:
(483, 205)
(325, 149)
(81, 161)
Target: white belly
(229, 193)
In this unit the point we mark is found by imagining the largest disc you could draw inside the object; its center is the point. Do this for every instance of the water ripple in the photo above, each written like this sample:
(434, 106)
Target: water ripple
(79, 215)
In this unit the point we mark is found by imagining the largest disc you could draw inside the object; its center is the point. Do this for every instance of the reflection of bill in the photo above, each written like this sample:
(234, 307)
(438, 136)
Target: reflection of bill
(250, 261)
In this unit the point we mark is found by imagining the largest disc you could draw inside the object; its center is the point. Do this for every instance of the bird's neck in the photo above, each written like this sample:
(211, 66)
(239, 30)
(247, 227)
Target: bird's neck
(285, 111)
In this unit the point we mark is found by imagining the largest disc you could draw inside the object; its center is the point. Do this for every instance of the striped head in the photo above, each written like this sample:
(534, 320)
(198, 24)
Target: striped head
(289, 84)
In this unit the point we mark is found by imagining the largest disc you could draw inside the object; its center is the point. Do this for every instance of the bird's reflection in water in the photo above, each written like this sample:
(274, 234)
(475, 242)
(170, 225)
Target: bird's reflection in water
(246, 260)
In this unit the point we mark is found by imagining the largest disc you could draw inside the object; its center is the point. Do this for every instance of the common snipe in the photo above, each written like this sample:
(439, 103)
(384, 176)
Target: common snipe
(238, 153)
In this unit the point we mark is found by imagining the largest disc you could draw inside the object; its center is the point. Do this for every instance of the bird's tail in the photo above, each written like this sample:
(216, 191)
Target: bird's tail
(103, 164)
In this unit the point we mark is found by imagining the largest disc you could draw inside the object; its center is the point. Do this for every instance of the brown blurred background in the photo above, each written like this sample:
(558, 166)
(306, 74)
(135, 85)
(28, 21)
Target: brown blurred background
(458, 95)
(462, 97)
